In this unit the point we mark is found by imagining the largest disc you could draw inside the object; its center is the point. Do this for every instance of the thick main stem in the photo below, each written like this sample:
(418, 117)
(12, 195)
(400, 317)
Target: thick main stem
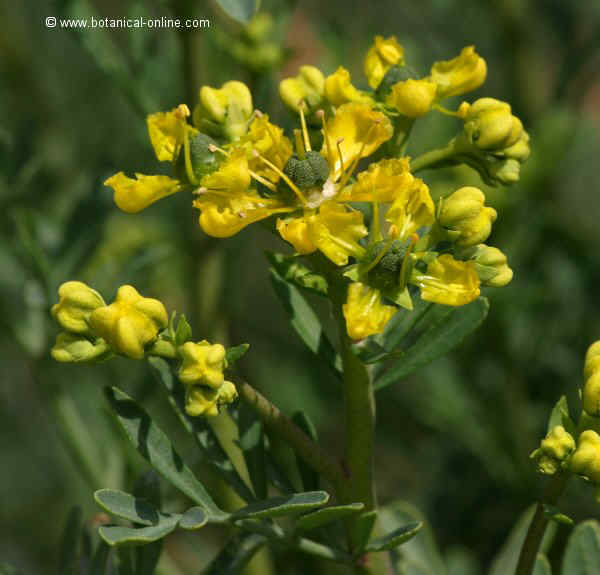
(538, 525)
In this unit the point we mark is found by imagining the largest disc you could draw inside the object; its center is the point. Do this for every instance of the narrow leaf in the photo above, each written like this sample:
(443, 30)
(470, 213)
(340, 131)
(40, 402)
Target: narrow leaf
(327, 515)
(69, 549)
(293, 271)
(285, 505)
(441, 329)
(362, 529)
(252, 444)
(193, 518)
(156, 448)
(560, 416)
(582, 555)
(127, 506)
(542, 565)
(100, 560)
(395, 538)
(235, 353)
(235, 554)
(119, 535)
(183, 332)
(310, 478)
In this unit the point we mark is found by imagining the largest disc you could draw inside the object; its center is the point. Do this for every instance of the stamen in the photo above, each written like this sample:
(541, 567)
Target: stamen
(212, 148)
(304, 128)
(375, 234)
(263, 181)
(186, 154)
(200, 191)
(321, 114)
(339, 149)
(281, 175)
(299, 143)
(348, 175)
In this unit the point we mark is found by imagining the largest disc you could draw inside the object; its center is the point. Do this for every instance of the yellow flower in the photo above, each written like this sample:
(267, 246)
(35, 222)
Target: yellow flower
(202, 400)
(413, 98)
(383, 181)
(592, 360)
(462, 74)
(382, 55)
(364, 312)
(465, 217)
(339, 89)
(448, 281)
(167, 131)
(73, 348)
(412, 209)
(271, 143)
(202, 364)
(357, 131)
(489, 125)
(306, 87)
(130, 323)
(554, 449)
(233, 175)
(76, 303)
(230, 106)
(133, 195)
(295, 231)
(586, 459)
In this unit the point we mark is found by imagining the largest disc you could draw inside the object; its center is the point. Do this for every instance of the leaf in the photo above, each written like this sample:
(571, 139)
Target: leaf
(239, 10)
(100, 560)
(395, 538)
(156, 448)
(310, 478)
(69, 549)
(582, 555)
(440, 329)
(119, 535)
(362, 529)
(327, 515)
(183, 332)
(560, 416)
(211, 450)
(252, 444)
(193, 518)
(127, 506)
(236, 553)
(284, 505)
(290, 269)
(235, 353)
(305, 321)
(7, 569)
(542, 566)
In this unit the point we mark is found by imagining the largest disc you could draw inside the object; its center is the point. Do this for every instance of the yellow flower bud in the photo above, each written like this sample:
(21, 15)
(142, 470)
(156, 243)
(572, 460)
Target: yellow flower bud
(307, 87)
(364, 312)
(202, 364)
(591, 394)
(74, 348)
(586, 459)
(489, 125)
(465, 217)
(491, 265)
(230, 106)
(130, 323)
(554, 450)
(382, 55)
(76, 303)
(592, 360)
(339, 89)
(202, 400)
(413, 98)
(462, 74)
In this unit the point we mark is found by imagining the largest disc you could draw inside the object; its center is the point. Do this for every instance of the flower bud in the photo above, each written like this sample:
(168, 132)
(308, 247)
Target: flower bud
(489, 125)
(307, 87)
(554, 450)
(202, 400)
(76, 302)
(225, 111)
(73, 348)
(202, 364)
(586, 459)
(462, 74)
(413, 98)
(130, 323)
(592, 360)
(490, 263)
(382, 55)
(465, 218)
(591, 394)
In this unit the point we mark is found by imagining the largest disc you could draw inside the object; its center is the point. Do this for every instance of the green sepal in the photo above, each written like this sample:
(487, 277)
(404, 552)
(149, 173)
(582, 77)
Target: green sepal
(395, 538)
(400, 296)
(284, 505)
(560, 416)
(235, 353)
(183, 332)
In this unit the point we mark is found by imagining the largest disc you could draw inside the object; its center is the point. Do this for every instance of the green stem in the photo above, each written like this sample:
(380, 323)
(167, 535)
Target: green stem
(537, 528)
(433, 158)
(285, 428)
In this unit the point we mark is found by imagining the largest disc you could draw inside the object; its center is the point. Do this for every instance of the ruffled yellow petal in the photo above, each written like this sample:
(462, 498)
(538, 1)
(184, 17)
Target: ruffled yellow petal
(382, 55)
(460, 75)
(413, 98)
(448, 281)
(295, 231)
(364, 312)
(167, 131)
(357, 130)
(339, 89)
(412, 209)
(133, 195)
(335, 230)
(383, 181)
(76, 303)
(233, 176)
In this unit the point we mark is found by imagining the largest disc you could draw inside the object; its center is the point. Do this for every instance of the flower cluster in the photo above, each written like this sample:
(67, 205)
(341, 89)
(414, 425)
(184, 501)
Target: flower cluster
(242, 168)
(135, 326)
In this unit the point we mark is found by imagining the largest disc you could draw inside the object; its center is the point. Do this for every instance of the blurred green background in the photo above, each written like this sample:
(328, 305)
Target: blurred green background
(453, 439)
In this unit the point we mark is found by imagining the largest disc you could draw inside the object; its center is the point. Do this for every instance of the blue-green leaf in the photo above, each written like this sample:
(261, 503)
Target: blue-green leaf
(542, 565)
(310, 478)
(69, 549)
(235, 554)
(240, 10)
(155, 447)
(327, 515)
(582, 555)
(395, 538)
(439, 330)
(100, 560)
(284, 505)
(127, 506)
(119, 535)
(193, 518)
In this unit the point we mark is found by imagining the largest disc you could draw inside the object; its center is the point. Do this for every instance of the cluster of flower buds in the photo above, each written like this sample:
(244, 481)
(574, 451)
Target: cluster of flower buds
(241, 169)
(135, 326)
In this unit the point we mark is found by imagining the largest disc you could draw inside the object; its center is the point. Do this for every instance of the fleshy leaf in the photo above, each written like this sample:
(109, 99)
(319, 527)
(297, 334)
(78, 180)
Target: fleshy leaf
(236, 554)
(278, 506)
(119, 535)
(193, 518)
(582, 555)
(127, 506)
(235, 353)
(327, 515)
(395, 538)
